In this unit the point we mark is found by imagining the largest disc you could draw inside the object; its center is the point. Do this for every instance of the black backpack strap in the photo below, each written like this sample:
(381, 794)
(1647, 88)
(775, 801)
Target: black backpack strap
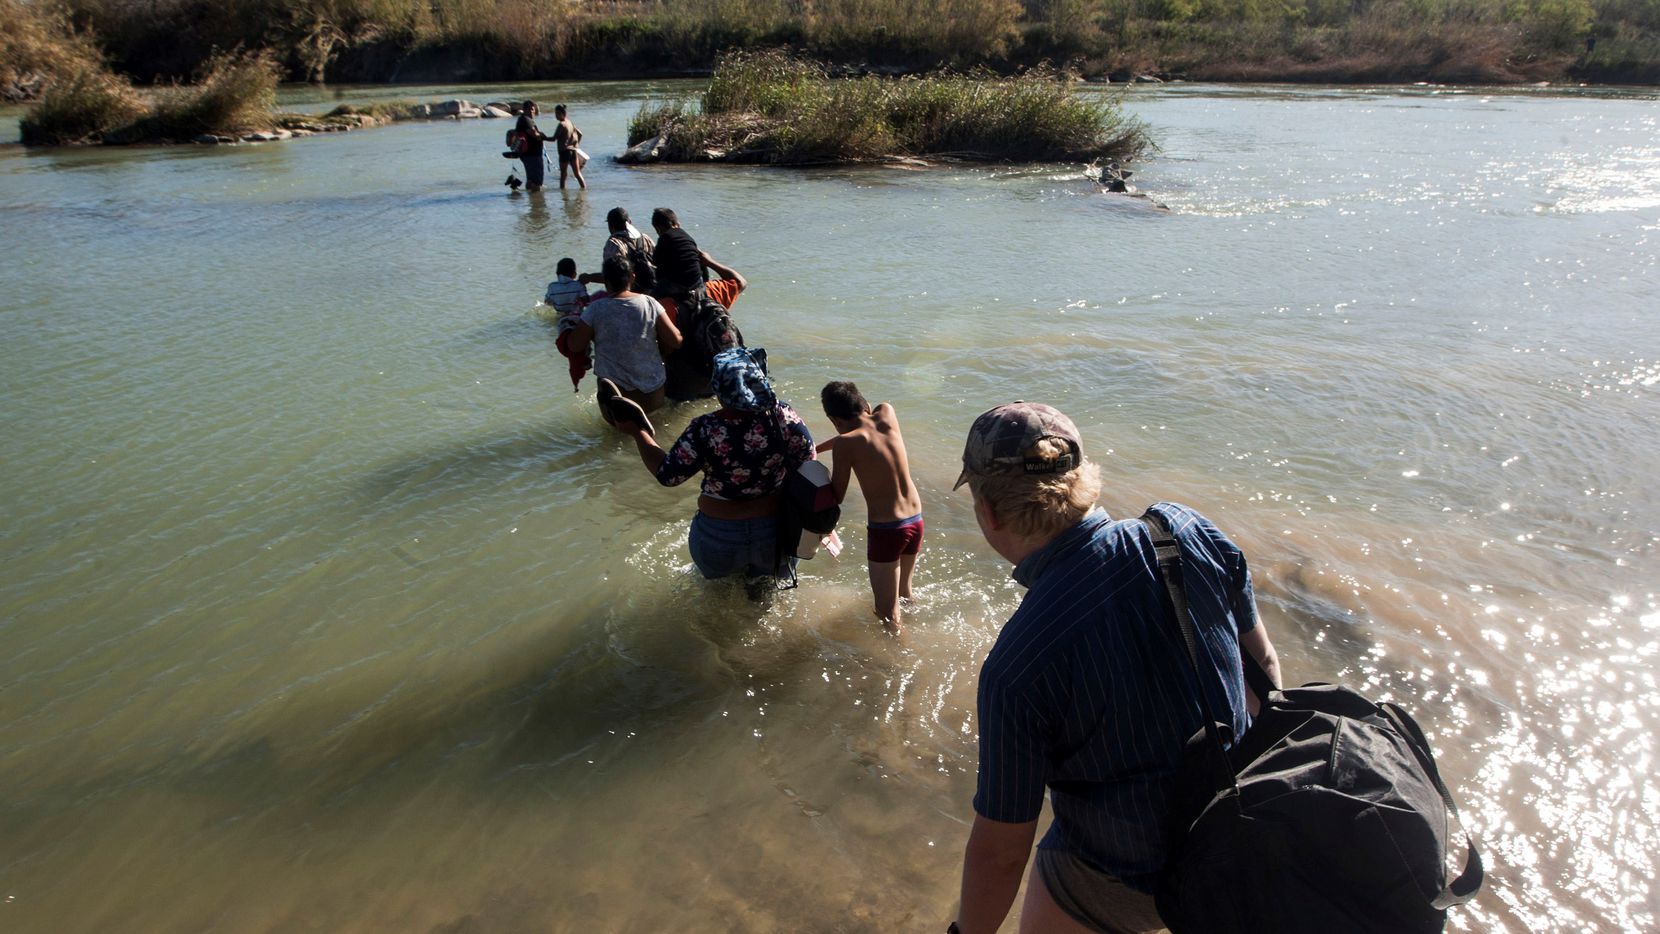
(1170, 557)
(1463, 888)
(1169, 554)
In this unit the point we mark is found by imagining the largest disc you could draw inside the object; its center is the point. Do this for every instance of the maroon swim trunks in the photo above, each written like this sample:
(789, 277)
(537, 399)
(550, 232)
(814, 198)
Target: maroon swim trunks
(889, 540)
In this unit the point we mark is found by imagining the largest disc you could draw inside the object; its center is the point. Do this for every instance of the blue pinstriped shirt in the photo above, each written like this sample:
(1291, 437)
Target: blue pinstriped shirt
(1088, 690)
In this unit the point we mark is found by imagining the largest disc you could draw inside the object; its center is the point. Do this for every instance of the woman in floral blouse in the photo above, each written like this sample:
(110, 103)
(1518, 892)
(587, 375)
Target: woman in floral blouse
(745, 450)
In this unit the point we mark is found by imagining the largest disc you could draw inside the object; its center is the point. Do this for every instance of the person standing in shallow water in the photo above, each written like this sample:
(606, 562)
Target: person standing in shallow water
(745, 450)
(1087, 692)
(868, 446)
(565, 138)
(629, 334)
(532, 155)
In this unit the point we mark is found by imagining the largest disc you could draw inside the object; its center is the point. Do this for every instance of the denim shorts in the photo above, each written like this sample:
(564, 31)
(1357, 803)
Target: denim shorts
(723, 547)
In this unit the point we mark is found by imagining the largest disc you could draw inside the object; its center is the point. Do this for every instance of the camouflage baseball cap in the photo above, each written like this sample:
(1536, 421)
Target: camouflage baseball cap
(1003, 440)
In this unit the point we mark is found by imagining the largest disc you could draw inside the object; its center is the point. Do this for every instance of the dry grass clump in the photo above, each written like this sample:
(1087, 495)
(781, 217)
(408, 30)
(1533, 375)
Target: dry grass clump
(770, 107)
(378, 112)
(38, 48)
(86, 108)
(238, 91)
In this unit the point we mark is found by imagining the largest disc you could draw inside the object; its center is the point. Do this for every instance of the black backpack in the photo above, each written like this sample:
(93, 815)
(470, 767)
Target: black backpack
(807, 510)
(1328, 815)
(708, 329)
(645, 271)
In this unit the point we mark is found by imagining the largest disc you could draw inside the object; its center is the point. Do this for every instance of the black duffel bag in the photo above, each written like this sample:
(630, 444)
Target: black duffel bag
(1328, 815)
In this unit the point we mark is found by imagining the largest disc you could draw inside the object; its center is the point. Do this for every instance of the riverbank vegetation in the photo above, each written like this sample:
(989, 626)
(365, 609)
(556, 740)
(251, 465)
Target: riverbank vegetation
(38, 47)
(450, 40)
(234, 100)
(770, 107)
(236, 93)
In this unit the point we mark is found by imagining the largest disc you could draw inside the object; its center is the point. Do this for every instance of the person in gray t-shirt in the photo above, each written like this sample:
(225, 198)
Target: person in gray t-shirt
(630, 333)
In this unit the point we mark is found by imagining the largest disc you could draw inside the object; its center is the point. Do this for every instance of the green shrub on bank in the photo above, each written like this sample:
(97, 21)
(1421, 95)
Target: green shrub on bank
(1552, 25)
(85, 108)
(772, 108)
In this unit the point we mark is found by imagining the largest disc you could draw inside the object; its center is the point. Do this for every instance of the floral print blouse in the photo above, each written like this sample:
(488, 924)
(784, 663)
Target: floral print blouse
(740, 458)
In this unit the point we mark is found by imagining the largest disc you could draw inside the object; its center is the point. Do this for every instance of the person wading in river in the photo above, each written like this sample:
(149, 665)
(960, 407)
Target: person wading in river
(565, 139)
(630, 334)
(1088, 691)
(745, 450)
(531, 154)
(868, 446)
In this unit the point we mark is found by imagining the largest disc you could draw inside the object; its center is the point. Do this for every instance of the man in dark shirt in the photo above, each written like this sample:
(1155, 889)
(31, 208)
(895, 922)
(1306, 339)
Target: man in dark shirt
(679, 261)
(1088, 692)
(681, 267)
(531, 154)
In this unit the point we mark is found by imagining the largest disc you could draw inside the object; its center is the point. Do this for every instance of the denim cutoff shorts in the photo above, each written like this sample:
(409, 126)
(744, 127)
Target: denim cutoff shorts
(723, 547)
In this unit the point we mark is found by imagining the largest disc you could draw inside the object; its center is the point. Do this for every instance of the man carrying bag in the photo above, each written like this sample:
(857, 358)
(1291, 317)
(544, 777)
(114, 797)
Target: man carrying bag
(1120, 685)
(1328, 815)
(1088, 693)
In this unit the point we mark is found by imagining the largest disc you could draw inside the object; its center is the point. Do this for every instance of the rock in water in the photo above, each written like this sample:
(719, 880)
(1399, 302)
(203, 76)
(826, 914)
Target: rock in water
(453, 108)
(645, 151)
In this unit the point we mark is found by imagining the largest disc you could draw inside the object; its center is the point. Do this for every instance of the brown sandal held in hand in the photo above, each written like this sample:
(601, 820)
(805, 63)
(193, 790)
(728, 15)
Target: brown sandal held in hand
(625, 410)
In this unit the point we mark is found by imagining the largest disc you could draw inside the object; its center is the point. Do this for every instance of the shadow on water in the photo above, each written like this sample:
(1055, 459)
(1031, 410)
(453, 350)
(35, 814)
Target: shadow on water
(514, 331)
(480, 197)
(68, 158)
(533, 223)
(676, 647)
(1316, 611)
(652, 665)
(657, 658)
(1134, 204)
(548, 448)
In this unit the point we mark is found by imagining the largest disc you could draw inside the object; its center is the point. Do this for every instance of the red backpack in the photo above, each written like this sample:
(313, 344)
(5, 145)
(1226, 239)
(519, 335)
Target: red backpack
(518, 145)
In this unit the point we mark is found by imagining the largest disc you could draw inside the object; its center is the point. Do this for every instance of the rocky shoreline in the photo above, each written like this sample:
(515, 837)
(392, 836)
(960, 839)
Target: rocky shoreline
(347, 117)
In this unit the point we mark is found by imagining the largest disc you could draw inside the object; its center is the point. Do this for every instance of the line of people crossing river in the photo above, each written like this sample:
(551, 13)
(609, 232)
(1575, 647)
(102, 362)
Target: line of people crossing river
(662, 330)
(1084, 694)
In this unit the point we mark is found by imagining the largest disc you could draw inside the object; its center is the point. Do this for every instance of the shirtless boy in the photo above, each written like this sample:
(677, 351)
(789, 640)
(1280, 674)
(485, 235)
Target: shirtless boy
(868, 446)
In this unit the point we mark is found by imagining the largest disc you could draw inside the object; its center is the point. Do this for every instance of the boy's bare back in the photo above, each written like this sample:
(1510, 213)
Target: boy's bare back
(875, 453)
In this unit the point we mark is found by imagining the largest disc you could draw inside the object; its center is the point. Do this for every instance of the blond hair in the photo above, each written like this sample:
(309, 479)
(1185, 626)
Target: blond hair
(1040, 505)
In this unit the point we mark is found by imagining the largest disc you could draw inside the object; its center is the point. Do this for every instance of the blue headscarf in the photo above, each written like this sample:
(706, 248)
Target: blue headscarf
(740, 380)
